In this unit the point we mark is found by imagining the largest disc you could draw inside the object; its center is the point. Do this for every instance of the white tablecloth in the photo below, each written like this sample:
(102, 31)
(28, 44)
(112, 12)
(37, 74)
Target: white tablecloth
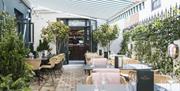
(136, 66)
(168, 87)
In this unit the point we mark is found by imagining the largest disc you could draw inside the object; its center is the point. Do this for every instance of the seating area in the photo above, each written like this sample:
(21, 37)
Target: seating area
(52, 69)
(89, 45)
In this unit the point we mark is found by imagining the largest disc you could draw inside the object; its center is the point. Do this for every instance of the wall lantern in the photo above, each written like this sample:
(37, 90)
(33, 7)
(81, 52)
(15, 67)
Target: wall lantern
(130, 46)
(173, 51)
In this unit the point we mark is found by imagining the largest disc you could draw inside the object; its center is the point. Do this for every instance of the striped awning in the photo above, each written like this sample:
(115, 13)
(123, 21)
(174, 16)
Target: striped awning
(101, 9)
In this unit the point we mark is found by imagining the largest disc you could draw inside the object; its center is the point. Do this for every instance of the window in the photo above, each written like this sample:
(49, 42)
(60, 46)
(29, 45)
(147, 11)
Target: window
(143, 5)
(137, 8)
(140, 7)
(156, 4)
(134, 10)
(131, 11)
(76, 22)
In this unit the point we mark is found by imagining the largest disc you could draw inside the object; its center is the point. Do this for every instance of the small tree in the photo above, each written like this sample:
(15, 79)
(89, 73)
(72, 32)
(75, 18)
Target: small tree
(12, 54)
(57, 32)
(105, 34)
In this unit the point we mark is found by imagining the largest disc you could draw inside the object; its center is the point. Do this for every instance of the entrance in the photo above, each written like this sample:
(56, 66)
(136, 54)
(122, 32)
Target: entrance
(77, 47)
(80, 38)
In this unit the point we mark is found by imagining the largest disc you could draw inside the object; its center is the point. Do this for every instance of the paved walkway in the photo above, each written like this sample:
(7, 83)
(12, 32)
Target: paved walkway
(71, 76)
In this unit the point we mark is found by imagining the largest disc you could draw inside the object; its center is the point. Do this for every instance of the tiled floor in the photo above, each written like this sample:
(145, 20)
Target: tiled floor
(72, 75)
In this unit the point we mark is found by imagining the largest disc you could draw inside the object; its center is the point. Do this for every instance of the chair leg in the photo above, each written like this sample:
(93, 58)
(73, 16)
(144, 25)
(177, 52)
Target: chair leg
(54, 72)
(51, 76)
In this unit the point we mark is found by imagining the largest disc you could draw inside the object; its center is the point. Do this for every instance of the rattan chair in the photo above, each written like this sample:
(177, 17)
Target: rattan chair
(49, 68)
(158, 78)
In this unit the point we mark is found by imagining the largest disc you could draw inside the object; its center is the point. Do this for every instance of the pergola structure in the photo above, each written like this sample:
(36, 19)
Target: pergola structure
(101, 9)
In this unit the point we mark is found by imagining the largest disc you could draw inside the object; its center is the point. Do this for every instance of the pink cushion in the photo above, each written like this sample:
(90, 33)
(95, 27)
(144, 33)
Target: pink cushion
(106, 70)
(109, 77)
(99, 61)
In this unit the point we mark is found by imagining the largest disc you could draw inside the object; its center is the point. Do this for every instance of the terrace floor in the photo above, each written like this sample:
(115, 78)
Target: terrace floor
(72, 75)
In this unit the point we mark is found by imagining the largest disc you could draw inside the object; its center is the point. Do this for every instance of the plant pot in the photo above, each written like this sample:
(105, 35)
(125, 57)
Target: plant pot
(100, 52)
(116, 63)
(40, 54)
(105, 54)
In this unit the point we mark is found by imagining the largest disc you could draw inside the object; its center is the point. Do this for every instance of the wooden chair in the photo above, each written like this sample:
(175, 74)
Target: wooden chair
(101, 62)
(49, 68)
(89, 55)
(158, 78)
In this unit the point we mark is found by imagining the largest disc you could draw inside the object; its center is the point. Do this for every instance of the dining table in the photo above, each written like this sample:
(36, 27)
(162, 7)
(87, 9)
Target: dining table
(167, 87)
(136, 66)
(107, 87)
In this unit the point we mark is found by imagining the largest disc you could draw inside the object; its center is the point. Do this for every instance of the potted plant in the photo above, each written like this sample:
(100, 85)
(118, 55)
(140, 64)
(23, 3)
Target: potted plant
(104, 35)
(56, 32)
(43, 47)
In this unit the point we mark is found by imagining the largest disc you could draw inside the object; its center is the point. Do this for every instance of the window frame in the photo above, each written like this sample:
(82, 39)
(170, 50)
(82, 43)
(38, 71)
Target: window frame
(155, 4)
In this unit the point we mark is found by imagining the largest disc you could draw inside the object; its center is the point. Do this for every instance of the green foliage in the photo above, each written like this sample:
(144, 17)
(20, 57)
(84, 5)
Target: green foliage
(12, 55)
(152, 40)
(126, 37)
(43, 45)
(57, 32)
(6, 23)
(8, 84)
(105, 34)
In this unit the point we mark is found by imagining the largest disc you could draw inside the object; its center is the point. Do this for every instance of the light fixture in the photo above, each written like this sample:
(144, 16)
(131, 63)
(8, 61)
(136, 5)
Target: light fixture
(173, 51)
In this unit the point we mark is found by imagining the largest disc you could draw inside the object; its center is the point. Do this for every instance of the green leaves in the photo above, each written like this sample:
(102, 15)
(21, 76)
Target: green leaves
(14, 73)
(57, 32)
(151, 42)
(105, 33)
(8, 84)
(43, 45)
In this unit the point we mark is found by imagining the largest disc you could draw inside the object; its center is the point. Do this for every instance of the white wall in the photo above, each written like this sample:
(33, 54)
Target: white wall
(41, 18)
(116, 44)
(165, 4)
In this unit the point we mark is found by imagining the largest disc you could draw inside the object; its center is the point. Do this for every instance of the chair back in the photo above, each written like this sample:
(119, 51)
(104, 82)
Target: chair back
(99, 61)
(90, 55)
(52, 61)
(106, 70)
(131, 61)
(109, 78)
(158, 78)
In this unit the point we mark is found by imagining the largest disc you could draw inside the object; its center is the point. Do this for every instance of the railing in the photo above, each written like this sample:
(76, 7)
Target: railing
(173, 11)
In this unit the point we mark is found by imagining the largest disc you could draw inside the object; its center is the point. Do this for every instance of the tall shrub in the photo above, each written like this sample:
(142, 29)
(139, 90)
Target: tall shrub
(12, 53)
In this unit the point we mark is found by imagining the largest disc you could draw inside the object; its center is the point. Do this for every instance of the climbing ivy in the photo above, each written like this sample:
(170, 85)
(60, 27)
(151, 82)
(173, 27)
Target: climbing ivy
(151, 42)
